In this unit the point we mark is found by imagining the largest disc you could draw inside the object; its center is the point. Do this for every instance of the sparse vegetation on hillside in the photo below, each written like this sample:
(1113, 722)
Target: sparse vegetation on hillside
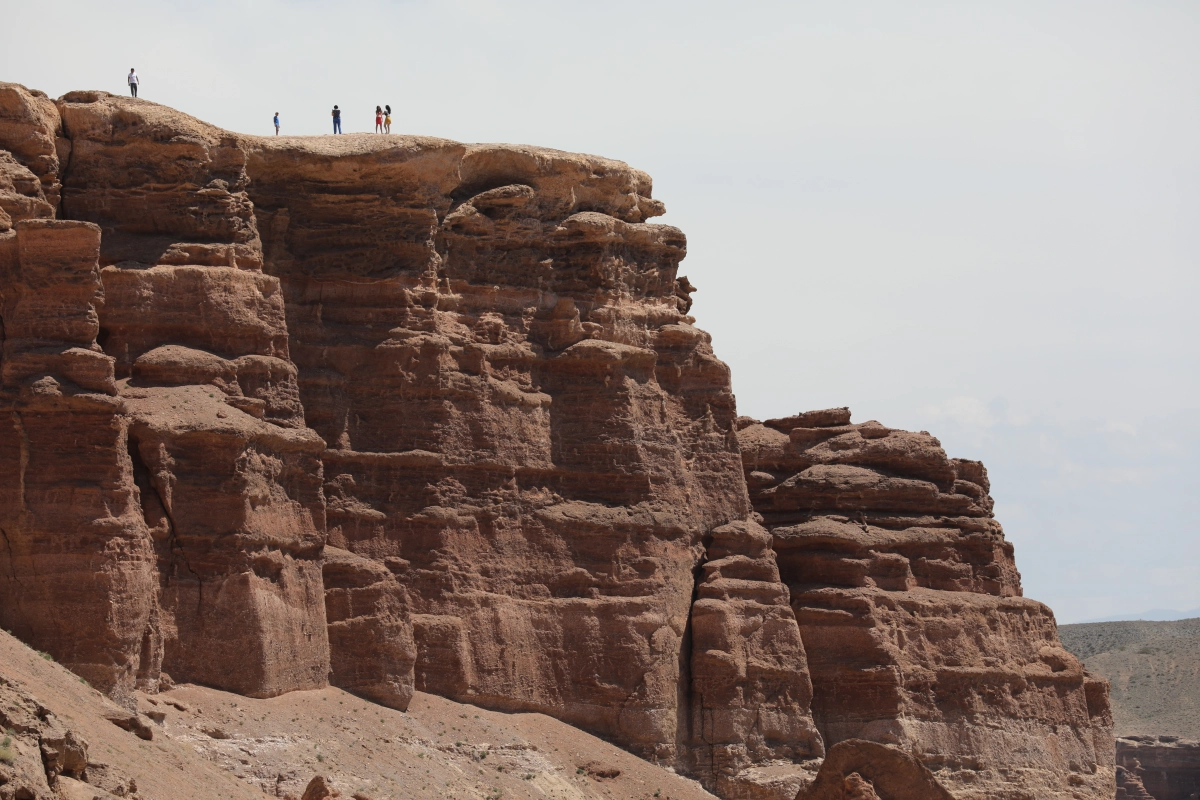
(7, 754)
(1154, 670)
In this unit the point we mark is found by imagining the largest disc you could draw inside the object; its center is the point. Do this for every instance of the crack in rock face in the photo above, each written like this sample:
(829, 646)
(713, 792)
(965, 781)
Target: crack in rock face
(409, 415)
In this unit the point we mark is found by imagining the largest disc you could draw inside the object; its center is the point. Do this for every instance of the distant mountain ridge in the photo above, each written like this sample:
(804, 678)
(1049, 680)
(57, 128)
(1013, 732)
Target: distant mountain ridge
(1152, 615)
(1154, 670)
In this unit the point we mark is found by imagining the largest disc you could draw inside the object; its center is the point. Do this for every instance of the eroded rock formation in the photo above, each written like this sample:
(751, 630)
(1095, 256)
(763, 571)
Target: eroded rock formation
(43, 758)
(371, 649)
(910, 608)
(857, 769)
(1129, 783)
(1166, 766)
(401, 412)
(162, 511)
(31, 131)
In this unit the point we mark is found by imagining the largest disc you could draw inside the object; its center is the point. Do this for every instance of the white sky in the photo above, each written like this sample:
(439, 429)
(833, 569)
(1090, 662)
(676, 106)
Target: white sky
(980, 219)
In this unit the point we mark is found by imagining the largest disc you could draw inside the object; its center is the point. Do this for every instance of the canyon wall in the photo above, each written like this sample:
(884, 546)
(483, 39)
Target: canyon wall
(163, 514)
(1166, 766)
(910, 608)
(404, 413)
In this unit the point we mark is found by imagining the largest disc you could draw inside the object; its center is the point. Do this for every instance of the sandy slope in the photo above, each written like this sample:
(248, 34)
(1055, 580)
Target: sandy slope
(212, 744)
(1154, 669)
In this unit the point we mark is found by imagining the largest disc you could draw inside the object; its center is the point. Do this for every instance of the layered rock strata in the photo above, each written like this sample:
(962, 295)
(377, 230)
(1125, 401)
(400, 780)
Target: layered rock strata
(406, 413)
(31, 132)
(910, 608)
(371, 648)
(1129, 784)
(40, 757)
(530, 447)
(77, 559)
(1166, 766)
(163, 513)
(527, 430)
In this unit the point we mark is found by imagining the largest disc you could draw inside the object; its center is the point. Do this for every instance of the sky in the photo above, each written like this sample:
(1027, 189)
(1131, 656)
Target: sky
(980, 219)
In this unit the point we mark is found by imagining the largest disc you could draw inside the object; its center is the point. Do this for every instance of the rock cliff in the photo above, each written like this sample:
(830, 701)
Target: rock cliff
(910, 609)
(1166, 767)
(408, 414)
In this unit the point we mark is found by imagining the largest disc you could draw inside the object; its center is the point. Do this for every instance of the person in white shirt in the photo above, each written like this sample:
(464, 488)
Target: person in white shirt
(133, 82)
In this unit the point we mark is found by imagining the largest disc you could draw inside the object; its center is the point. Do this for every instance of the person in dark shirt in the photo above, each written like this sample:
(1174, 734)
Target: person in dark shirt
(337, 120)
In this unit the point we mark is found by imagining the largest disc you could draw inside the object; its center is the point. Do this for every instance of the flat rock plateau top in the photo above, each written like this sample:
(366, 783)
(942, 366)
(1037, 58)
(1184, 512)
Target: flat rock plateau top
(431, 424)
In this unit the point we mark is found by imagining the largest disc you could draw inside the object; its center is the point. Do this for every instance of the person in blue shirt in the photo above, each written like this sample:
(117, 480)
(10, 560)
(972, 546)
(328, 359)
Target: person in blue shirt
(337, 120)
(276, 123)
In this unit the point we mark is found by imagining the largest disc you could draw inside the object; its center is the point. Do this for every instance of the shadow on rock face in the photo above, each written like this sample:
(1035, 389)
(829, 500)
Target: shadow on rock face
(860, 770)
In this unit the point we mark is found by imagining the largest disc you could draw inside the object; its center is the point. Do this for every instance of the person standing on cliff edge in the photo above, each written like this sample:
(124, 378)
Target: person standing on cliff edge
(337, 120)
(133, 82)
(276, 123)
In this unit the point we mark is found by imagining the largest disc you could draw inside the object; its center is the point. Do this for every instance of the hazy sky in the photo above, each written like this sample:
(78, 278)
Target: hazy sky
(978, 219)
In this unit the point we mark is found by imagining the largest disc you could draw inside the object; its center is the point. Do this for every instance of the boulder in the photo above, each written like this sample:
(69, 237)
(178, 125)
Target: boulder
(857, 769)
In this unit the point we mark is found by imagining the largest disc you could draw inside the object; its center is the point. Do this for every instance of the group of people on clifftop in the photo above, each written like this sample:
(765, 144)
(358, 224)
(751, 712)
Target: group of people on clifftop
(383, 119)
(383, 114)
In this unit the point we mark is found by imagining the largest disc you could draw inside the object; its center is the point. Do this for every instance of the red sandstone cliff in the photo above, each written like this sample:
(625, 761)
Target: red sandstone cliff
(1163, 767)
(910, 608)
(410, 413)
